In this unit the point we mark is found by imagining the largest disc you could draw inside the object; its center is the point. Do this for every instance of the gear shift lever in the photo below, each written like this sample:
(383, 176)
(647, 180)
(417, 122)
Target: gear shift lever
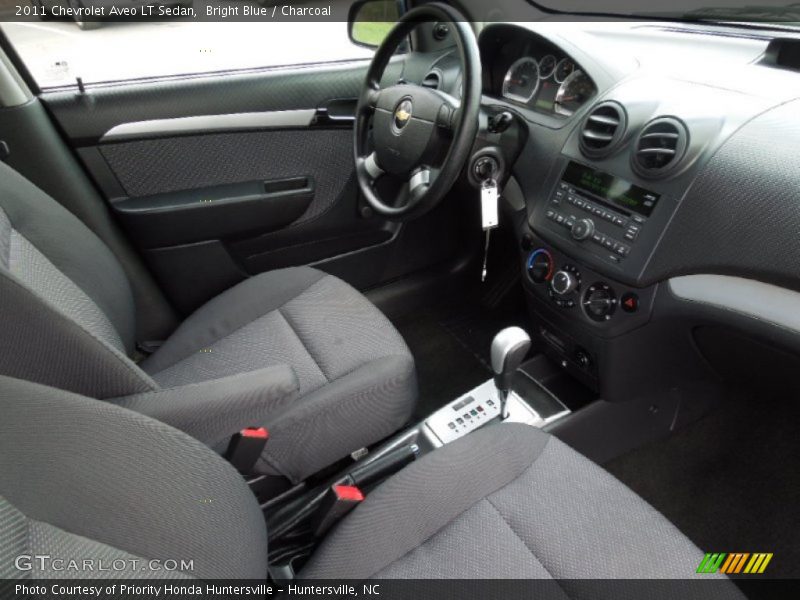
(509, 349)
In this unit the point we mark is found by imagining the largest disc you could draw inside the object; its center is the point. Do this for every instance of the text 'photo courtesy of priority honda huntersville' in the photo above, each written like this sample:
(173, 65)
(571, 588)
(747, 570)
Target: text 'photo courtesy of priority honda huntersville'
(399, 299)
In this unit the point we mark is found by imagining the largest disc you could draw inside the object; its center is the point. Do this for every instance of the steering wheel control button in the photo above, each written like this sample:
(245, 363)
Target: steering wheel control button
(630, 302)
(582, 229)
(599, 302)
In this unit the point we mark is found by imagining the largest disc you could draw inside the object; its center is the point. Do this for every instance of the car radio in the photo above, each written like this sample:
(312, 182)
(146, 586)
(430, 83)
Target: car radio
(605, 211)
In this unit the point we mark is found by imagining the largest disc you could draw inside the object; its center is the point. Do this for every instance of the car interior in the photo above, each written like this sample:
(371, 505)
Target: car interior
(517, 297)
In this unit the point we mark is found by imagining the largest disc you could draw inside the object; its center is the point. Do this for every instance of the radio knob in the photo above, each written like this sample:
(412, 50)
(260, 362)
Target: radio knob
(582, 229)
(564, 283)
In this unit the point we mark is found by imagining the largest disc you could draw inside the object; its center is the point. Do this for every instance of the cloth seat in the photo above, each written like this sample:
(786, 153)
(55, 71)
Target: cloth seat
(355, 373)
(511, 502)
(295, 350)
(507, 501)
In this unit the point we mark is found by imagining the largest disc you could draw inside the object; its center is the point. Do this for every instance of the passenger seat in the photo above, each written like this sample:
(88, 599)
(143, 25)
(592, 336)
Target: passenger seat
(81, 478)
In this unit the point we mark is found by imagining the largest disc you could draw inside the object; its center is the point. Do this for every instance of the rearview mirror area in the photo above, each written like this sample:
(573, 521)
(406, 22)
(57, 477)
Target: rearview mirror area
(370, 21)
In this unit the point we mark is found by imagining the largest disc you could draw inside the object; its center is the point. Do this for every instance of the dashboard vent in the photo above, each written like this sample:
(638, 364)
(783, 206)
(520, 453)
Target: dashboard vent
(603, 129)
(660, 147)
(432, 80)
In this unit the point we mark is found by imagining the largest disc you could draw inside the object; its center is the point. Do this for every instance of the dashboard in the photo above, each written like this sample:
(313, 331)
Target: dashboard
(529, 72)
(645, 180)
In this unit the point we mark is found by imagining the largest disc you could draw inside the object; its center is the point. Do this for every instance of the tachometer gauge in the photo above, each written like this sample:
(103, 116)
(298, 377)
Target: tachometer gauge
(522, 80)
(546, 66)
(573, 93)
(564, 69)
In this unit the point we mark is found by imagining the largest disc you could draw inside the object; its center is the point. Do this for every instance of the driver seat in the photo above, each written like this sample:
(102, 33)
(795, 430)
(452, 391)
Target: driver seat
(295, 350)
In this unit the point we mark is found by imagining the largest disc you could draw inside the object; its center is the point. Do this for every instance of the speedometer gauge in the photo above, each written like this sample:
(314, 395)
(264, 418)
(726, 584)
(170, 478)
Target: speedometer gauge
(564, 69)
(522, 80)
(546, 66)
(573, 93)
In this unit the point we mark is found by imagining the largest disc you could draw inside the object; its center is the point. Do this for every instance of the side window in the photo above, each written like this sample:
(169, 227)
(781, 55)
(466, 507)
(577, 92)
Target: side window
(58, 50)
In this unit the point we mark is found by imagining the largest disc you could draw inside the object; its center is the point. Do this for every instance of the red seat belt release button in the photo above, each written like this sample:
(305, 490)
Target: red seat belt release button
(245, 448)
(339, 501)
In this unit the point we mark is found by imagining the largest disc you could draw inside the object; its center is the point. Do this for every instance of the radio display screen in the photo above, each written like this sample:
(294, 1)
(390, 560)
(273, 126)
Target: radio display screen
(611, 189)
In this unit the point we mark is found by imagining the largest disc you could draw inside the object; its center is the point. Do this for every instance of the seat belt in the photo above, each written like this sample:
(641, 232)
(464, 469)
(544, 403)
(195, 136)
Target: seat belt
(245, 448)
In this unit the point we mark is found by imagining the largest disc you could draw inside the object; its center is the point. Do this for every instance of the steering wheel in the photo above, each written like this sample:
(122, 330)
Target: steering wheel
(421, 137)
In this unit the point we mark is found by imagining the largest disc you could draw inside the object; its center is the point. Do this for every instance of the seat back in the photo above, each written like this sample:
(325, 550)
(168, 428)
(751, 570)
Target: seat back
(66, 308)
(88, 480)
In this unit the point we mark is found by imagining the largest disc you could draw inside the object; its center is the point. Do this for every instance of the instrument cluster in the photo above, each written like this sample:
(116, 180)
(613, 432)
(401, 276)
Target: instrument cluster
(548, 84)
(526, 70)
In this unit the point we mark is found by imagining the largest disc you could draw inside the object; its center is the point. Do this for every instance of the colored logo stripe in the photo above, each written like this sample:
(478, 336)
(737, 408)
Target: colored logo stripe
(758, 563)
(711, 563)
(734, 563)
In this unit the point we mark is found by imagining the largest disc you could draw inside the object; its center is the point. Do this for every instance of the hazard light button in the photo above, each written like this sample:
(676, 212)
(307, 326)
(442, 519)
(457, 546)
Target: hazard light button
(630, 302)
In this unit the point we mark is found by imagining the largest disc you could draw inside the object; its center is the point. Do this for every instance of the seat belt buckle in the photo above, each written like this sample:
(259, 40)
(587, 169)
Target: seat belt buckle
(338, 502)
(245, 448)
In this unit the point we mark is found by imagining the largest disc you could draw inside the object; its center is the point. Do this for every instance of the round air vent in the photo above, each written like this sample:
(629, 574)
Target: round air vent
(432, 80)
(603, 129)
(660, 147)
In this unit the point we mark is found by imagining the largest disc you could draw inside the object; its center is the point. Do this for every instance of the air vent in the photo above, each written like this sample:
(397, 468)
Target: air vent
(660, 147)
(432, 80)
(603, 129)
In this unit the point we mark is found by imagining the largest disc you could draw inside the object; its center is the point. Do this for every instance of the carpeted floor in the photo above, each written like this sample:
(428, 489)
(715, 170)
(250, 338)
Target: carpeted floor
(730, 481)
(451, 347)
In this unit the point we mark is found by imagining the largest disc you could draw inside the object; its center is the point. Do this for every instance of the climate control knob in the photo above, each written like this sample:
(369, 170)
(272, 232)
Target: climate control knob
(582, 229)
(599, 302)
(540, 265)
(564, 283)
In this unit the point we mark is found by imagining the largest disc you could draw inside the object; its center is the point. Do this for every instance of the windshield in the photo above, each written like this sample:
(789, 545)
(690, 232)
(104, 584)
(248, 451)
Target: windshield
(765, 12)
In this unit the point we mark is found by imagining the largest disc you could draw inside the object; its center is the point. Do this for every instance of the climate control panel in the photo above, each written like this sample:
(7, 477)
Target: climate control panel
(578, 313)
(576, 290)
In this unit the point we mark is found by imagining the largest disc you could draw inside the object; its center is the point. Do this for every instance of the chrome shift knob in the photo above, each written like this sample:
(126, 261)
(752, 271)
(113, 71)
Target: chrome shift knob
(509, 349)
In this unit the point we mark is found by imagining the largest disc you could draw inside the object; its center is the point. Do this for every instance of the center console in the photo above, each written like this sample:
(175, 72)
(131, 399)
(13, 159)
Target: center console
(300, 517)
(481, 406)
(584, 249)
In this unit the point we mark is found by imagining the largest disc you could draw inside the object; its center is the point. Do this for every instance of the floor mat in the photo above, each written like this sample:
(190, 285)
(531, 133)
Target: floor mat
(730, 481)
(451, 346)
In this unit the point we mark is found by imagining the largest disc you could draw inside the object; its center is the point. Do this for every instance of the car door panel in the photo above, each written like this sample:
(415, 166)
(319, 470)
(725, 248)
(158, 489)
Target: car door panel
(217, 178)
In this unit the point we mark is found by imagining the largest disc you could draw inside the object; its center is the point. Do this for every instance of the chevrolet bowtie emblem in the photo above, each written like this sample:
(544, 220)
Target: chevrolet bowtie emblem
(402, 114)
